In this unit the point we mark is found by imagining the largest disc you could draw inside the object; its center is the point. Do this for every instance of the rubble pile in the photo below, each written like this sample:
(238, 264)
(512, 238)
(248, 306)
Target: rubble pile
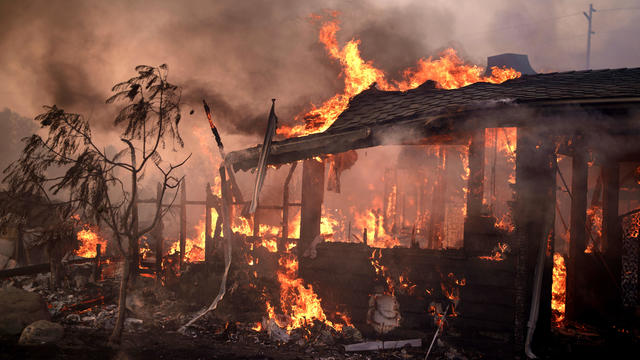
(83, 312)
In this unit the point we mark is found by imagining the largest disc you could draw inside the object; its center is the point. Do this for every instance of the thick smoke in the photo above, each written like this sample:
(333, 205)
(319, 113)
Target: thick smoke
(238, 55)
(242, 54)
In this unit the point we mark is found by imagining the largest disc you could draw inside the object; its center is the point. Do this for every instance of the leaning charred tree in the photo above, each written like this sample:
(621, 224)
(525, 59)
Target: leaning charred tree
(103, 185)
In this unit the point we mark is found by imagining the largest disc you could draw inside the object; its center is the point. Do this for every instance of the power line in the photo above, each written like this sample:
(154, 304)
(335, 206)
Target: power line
(619, 9)
(549, 19)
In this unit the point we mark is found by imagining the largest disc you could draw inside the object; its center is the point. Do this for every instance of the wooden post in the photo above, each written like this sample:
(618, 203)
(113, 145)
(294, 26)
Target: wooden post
(97, 273)
(256, 222)
(475, 186)
(217, 235)
(578, 234)
(312, 198)
(285, 208)
(438, 205)
(183, 220)
(158, 235)
(611, 232)
(208, 226)
(535, 218)
(388, 221)
(18, 251)
(364, 236)
(134, 246)
(226, 205)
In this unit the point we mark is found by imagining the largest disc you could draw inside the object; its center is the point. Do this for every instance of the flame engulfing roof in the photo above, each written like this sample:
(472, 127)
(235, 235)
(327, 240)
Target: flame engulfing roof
(376, 117)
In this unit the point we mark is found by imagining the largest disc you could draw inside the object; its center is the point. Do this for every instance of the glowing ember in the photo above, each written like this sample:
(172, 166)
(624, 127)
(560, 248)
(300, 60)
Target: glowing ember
(89, 238)
(450, 287)
(505, 223)
(144, 249)
(448, 71)
(558, 288)
(498, 254)
(594, 221)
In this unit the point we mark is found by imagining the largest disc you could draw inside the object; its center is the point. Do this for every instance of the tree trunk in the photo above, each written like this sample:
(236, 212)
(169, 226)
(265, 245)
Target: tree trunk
(122, 303)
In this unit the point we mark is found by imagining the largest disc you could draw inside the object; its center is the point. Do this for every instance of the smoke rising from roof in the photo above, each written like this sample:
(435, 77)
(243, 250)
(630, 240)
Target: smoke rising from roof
(241, 54)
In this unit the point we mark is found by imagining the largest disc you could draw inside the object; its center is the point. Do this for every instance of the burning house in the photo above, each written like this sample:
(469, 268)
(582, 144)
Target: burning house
(486, 257)
(490, 210)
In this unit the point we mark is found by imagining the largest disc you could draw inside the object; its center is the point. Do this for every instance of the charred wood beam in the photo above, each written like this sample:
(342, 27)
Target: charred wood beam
(534, 218)
(422, 131)
(256, 224)
(183, 221)
(158, 236)
(476, 173)
(438, 205)
(97, 268)
(578, 235)
(208, 226)
(38, 268)
(611, 231)
(312, 198)
(285, 208)
(476, 189)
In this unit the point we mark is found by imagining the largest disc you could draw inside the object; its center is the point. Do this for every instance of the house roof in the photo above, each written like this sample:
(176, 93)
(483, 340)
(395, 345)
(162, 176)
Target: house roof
(375, 116)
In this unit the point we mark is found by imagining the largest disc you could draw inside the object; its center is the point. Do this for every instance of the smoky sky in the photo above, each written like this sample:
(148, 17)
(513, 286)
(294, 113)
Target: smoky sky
(239, 54)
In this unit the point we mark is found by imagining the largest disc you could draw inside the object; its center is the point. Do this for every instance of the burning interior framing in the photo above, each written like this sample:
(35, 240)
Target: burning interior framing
(452, 229)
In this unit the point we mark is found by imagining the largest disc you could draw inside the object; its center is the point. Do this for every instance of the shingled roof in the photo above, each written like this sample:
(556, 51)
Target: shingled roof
(416, 112)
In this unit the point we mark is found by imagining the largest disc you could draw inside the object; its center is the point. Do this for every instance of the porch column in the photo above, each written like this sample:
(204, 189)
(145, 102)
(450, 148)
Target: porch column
(534, 218)
(312, 197)
(611, 232)
(208, 227)
(476, 188)
(578, 236)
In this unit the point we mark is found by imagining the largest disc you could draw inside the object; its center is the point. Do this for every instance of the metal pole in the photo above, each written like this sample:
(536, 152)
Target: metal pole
(444, 317)
(589, 33)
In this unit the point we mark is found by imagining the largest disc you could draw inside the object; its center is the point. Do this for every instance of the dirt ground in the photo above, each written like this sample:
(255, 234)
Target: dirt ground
(156, 343)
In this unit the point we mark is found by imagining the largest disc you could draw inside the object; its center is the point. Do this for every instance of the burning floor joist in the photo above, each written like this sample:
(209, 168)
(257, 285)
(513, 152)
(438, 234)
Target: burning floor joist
(453, 214)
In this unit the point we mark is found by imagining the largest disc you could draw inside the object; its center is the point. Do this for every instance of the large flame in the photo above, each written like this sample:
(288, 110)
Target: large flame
(558, 289)
(449, 72)
(299, 302)
(89, 238)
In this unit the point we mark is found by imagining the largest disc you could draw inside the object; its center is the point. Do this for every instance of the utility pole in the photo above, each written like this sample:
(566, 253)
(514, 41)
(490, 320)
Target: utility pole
(589, 32)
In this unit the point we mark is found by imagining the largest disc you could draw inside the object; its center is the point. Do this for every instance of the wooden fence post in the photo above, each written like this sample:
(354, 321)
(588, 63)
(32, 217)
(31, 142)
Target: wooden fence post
(183, 220)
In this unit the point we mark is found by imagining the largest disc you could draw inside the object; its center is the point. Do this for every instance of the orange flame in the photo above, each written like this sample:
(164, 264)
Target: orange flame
(449, 72)
(89, 238)
(498, 253)
(594, 219)
(558, 289)
(300, 304)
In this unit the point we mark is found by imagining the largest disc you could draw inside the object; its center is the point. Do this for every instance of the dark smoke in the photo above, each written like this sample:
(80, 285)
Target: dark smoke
(241, 54)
